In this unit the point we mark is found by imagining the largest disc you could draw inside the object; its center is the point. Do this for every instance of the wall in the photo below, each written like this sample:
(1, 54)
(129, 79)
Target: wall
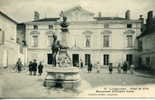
(148, 50)
(9, 50)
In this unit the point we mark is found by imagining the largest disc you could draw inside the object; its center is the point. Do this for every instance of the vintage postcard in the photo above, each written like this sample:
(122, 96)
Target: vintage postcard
(77, 49)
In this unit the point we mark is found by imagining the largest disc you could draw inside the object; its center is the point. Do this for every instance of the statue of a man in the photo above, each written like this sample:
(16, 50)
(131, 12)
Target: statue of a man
(55, 49)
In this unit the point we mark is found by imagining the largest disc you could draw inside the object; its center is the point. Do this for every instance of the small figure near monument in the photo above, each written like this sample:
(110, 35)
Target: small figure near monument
(40, 68)
(30, 67)
(34, 67)
(19, 65)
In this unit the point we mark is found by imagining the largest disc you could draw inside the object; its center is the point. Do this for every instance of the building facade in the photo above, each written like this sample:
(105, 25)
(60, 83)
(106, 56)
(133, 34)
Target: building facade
(90, 38)
(146, 44)
(8, 45)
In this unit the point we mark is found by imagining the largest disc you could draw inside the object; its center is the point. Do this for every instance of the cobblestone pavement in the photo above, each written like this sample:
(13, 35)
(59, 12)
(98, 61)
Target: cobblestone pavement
(16, 85)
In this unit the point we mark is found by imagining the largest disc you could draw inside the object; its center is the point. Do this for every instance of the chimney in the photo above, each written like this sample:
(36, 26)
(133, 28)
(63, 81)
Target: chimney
(149, 17)
(127, 15)
(99, 14)
(36, 15)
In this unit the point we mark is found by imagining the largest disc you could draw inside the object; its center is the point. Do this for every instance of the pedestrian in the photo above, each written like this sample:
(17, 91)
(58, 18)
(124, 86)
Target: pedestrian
(110, 68)
(30, 68)
(40, 69)
(90, 67)
(132, 67)
(98, 67)
(19, 65)
(81, 64)
(34, 67)
(125, 67)
(119, 68)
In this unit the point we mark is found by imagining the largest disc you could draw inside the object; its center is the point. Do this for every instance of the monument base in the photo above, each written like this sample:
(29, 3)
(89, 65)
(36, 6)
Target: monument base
(60, 77)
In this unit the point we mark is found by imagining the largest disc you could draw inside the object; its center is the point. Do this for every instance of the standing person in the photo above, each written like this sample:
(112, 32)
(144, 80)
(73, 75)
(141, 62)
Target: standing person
(19, 65)
(132, 66)
(34, 67)
(40, 68)
(110, 68)
(30, 68)
(125, 67)
(81, 64)
(119, 68)
(98, 67)
(90, 67)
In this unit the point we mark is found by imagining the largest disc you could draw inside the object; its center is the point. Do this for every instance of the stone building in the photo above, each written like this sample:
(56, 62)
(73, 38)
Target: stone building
(146, 42)
(90, 38)
(8, 45)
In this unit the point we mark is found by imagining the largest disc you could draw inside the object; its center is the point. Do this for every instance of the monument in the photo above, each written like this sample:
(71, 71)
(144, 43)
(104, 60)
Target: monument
(62, 74)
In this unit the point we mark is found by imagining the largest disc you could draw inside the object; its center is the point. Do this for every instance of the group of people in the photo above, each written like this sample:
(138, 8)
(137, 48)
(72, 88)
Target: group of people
(125, 67)
(33, 67)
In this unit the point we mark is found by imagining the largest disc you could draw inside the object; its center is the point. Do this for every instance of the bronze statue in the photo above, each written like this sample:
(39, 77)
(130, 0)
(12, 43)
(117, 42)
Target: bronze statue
(64, 25)
(56, 46)
(55, 49)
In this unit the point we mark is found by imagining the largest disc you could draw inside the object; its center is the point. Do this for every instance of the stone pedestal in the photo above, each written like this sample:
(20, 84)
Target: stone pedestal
(60, 77)
(64, 42)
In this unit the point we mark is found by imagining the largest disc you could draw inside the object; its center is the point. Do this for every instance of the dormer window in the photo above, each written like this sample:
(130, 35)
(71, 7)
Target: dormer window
(129, 25)
(35, 27)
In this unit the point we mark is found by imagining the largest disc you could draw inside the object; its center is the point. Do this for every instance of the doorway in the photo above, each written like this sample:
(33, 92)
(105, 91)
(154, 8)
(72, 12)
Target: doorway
(49, 58)
(75, 58)
(129, 58)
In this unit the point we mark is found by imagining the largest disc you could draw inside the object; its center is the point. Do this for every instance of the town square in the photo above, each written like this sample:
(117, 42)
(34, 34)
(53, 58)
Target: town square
(66, 50)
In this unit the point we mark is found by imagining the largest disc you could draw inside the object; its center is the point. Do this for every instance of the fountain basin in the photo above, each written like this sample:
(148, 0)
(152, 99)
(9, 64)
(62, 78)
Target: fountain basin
(61, 77)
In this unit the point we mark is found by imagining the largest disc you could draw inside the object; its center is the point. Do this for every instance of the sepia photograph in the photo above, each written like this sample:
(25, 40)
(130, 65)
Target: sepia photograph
(77, 49)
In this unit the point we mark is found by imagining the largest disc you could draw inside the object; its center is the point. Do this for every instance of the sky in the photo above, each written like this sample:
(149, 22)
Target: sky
(22, 10)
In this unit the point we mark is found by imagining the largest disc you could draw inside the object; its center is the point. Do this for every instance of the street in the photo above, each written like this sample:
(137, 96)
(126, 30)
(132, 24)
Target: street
(17, 85)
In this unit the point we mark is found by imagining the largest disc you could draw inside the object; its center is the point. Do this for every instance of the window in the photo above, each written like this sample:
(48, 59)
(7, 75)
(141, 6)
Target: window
(129, 25)
(50, 26)
(87, 41)
(148, 61)
(129, 41)
(106, 25)
(35, 41)
(50, 40)
(106, 41)
(106, 59)
(140, 45)
(35, 27)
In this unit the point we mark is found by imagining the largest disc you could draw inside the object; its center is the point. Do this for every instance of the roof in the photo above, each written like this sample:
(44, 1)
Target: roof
(6, 16)
(109, 18)
(46, 19)
(147, 31)
(77, 8)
